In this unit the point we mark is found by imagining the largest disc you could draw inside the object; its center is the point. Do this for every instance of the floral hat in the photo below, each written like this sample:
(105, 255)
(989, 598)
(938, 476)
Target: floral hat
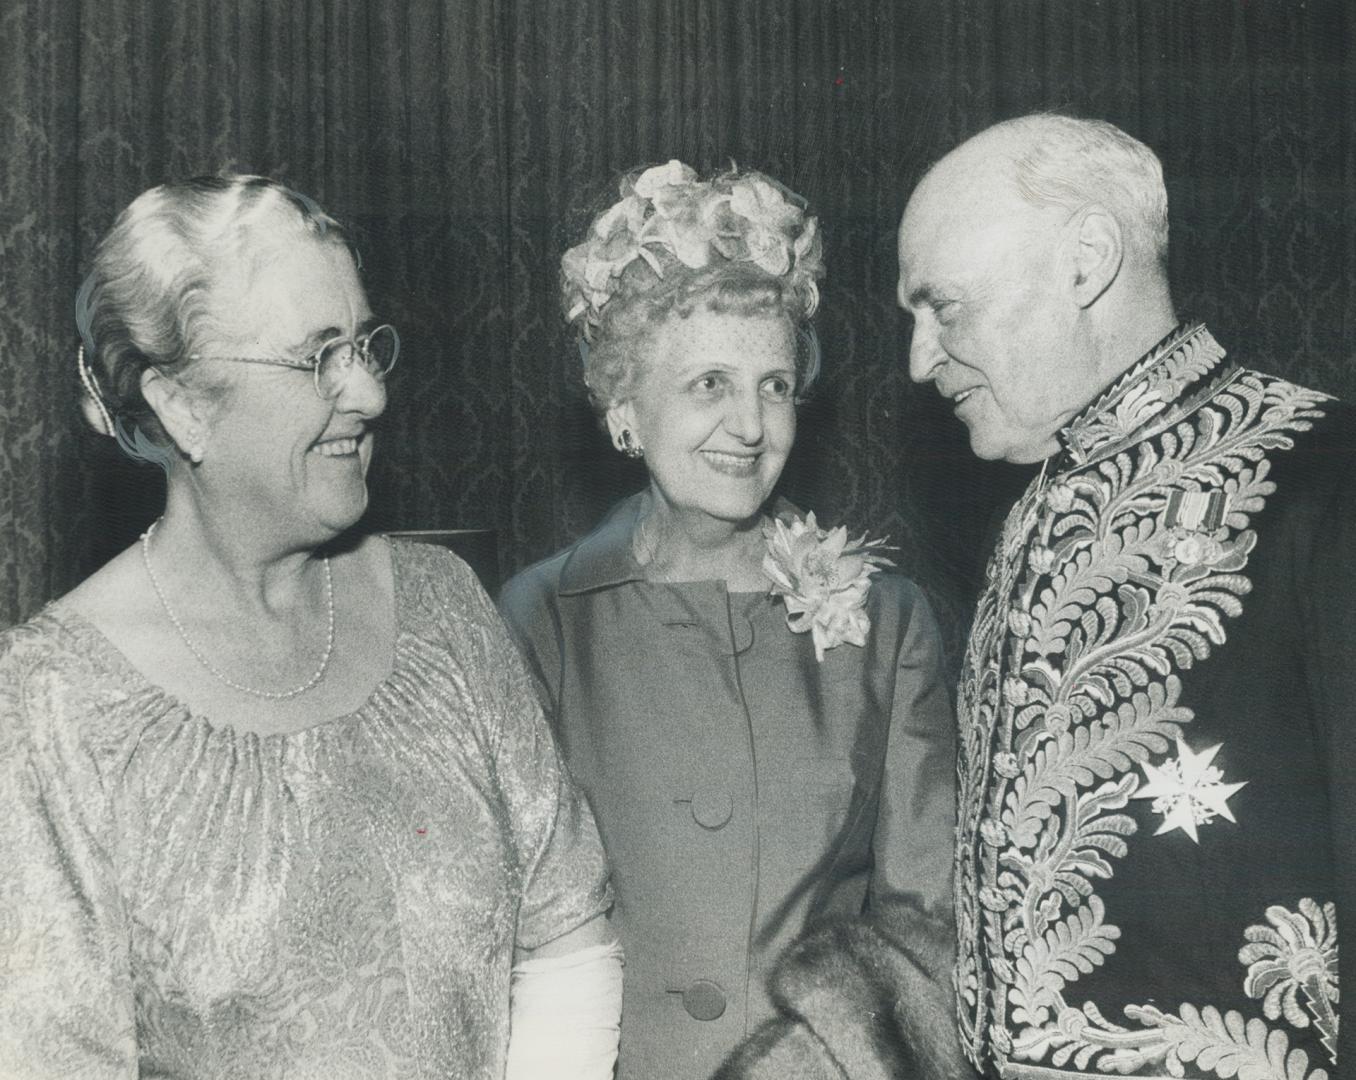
(666, 216)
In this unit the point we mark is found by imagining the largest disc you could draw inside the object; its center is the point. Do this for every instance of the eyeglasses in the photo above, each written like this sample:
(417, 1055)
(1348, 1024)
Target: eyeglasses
(330, 364)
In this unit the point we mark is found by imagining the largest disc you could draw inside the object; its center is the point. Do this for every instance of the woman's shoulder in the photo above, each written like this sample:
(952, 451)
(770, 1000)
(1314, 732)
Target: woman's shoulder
(52, 687)
(529, 601)
(896, 589)
(65, 729)
(440, 598)
(532, 586)
(424, 569)
(36, 644)
(53, 643)
(597, 560)
(899, 605)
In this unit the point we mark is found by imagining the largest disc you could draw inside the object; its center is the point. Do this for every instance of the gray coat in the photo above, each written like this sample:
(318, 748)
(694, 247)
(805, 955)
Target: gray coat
(740, 787)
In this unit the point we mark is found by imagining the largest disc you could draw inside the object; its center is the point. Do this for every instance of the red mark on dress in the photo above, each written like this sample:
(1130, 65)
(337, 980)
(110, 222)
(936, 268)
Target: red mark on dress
(840, 81)
(422, 831)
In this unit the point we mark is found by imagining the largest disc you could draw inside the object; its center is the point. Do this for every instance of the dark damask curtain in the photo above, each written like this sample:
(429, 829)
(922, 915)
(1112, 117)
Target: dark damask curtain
(468, 141)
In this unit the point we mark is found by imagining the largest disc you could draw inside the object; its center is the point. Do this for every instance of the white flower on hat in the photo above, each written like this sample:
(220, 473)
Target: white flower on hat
(667, 210)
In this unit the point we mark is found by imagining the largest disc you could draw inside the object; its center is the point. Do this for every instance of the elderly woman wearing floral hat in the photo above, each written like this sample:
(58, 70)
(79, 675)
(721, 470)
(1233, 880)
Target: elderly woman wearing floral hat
(753, 705)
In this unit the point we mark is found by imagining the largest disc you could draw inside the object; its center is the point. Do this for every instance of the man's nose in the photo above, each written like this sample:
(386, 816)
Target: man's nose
(925, 354)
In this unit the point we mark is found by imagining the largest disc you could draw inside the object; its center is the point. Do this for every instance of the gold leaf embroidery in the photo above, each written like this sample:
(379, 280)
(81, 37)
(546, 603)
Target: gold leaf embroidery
(1109, 603)
(1297, 952)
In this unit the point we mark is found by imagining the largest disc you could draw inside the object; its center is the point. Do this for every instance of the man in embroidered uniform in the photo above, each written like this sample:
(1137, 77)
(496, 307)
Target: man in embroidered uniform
(1158, 700)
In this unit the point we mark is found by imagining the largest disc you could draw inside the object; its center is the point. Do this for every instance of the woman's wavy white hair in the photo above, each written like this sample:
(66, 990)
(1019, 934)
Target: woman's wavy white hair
(158, 280)
(674, 243)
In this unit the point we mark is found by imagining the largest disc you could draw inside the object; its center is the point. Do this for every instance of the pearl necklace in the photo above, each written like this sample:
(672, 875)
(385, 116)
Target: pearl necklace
(272, 695)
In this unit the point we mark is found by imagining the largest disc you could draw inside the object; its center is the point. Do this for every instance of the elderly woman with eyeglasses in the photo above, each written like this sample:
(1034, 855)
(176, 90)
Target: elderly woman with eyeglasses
(755, 709)
(279, 799)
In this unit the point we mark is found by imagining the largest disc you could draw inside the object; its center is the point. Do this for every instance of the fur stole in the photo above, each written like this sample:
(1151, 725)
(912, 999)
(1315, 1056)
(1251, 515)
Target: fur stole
(864, 998)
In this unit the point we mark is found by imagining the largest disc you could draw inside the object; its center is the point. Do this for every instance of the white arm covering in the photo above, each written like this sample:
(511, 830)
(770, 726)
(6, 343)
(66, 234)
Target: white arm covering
(565, 1016)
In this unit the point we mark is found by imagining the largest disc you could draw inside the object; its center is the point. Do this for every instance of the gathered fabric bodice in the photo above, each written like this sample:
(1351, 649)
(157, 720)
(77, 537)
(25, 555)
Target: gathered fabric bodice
(184, 900)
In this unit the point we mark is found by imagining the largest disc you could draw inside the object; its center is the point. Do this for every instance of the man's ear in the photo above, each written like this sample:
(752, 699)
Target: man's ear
(1098, 253)
(621, 416)
(180, 411)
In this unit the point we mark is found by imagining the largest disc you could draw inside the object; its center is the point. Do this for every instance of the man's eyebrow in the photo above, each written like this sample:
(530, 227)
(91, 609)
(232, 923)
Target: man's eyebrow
(924, 294)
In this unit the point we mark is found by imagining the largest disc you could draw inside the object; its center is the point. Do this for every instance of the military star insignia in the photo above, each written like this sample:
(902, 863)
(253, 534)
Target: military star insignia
(1188, 791)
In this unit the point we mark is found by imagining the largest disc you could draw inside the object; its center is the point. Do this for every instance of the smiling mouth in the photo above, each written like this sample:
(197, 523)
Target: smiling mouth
(740, 465)
(957, 398)
(345, 447)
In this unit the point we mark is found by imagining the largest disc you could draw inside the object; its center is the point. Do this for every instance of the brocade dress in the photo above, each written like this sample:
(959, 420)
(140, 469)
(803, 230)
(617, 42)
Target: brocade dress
(182, 900)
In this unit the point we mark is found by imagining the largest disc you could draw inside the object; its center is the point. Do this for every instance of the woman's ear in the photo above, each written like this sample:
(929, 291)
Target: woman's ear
(621, 419)
(180, 411)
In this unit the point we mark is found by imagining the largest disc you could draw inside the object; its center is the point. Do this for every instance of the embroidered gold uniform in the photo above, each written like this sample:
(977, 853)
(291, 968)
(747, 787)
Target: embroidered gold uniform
(1155, 827)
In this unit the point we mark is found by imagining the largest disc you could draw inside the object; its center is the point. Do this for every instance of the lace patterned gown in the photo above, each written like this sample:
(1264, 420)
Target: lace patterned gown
(180, 900)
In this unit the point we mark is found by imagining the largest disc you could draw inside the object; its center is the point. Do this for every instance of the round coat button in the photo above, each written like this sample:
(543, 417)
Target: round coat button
(712, 807)
(704, 1000)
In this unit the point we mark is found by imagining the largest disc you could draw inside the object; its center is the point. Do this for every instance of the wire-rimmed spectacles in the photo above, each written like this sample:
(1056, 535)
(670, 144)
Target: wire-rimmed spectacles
(376, 350)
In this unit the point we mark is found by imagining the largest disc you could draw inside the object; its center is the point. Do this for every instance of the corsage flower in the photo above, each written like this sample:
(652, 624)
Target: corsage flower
(823, 578)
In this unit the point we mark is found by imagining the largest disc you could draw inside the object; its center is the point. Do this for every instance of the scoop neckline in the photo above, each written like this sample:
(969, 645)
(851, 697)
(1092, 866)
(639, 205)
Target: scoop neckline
(108, 656)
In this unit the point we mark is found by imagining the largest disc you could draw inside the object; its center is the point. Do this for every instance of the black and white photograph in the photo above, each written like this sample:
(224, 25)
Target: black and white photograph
(677, 539)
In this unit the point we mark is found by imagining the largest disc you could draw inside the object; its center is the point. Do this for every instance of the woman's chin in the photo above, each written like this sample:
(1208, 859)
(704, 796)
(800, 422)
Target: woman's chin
(733, 509)
(730, 500)
(338, 515)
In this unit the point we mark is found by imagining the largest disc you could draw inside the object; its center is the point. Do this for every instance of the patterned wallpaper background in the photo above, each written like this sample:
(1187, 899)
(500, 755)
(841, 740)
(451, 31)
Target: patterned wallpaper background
(469, 140)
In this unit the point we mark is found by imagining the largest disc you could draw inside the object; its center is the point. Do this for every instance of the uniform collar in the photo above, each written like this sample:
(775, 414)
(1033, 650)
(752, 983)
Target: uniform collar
(1161, 386)
(604, 557)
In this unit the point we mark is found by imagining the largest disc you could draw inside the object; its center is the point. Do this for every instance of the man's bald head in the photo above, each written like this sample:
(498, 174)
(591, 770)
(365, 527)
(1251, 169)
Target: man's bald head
(1051, 162)
(1032, 259)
